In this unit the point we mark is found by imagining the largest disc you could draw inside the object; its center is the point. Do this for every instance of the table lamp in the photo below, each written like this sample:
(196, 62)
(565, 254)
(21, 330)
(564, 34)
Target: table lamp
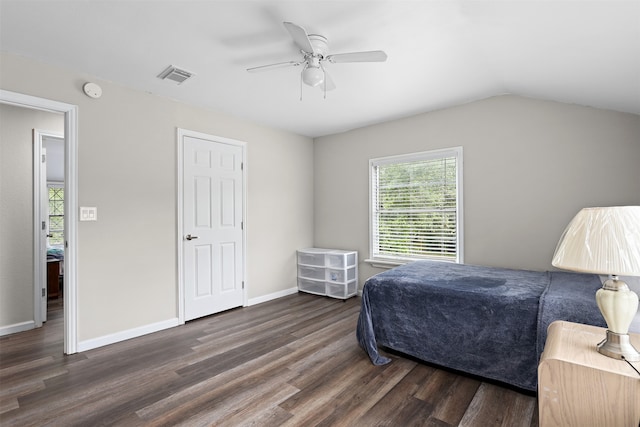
(607, 241)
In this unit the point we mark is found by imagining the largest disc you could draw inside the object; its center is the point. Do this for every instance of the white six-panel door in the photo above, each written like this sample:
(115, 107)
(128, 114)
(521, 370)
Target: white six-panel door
(212, 228)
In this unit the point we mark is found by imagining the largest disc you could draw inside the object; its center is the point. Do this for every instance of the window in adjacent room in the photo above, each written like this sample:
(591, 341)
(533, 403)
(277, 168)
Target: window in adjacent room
(416, 207)
(56, 214)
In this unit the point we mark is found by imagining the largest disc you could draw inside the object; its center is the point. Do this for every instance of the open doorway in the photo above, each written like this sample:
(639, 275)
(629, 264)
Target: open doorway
(18, 310)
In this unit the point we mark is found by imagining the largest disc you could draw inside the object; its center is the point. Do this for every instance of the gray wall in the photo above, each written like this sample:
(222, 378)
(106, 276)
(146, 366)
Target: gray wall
(16, 208)
(127, 266)
(529, 167)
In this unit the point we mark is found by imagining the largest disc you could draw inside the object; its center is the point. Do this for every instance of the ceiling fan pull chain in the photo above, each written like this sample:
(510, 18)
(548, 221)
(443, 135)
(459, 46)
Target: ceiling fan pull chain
(324, 80)
(301, 86)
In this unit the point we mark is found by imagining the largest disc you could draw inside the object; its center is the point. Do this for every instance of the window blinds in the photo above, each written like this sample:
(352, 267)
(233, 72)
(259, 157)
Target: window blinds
(414, 207)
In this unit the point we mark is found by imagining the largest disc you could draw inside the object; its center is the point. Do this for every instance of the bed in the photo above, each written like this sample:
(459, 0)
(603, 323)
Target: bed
(484, 321)
(55, 252)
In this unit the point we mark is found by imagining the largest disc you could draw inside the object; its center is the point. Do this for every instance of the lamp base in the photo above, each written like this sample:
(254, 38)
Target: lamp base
(618, 346)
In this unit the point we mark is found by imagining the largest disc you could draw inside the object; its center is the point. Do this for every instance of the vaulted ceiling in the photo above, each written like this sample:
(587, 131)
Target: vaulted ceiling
(440, 53)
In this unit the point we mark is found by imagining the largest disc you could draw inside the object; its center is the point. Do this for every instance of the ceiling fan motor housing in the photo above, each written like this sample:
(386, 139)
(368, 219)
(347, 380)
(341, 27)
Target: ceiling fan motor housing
(319, 43)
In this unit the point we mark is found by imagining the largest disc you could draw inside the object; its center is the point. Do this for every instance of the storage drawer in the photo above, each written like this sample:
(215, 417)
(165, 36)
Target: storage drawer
(341, 259)
(331, 272)
(312, 286)
(306, 272)
(342, 276)
(342, 290)
(311, 257)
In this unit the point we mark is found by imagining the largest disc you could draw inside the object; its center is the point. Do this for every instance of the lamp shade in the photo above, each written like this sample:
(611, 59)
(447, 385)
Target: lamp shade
(603, 241)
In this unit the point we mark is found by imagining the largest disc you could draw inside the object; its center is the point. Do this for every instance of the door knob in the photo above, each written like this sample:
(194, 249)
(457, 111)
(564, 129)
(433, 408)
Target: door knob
(190, 237)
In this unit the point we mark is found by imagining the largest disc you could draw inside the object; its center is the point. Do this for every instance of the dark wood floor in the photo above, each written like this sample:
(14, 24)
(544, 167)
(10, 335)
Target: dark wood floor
(292, 361)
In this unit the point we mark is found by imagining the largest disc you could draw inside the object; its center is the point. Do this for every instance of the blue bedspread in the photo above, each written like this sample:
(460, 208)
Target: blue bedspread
(490, 322)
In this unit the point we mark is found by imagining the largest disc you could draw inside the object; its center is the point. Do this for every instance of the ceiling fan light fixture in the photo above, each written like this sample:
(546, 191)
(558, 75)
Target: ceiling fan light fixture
(312, 76)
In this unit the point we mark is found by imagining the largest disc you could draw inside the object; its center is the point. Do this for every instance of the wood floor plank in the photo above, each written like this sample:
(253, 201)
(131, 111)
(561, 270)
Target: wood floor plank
(272, 416)
(237, 405)
(397, 407)
(8, 403)
(324, 382)
(435, 386)
(489, 405)
(294, 361)
(357, 400)
(298, 324)
(108, 403)
(252, 411)
(182, 397)
(314, 367)
(453, 404)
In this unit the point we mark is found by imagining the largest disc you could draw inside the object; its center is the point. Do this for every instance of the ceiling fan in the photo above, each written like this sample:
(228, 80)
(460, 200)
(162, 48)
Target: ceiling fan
(314, 49)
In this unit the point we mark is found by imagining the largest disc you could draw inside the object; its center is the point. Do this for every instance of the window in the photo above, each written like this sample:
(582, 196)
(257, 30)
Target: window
(56, 214)
(416, 206)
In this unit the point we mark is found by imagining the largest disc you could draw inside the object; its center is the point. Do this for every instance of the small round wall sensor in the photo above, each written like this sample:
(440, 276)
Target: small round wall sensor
(92, 90)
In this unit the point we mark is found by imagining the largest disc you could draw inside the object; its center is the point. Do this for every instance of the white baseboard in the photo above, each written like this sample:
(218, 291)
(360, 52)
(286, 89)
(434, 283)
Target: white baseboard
(17, 327)
(269, 297)
(125, 335)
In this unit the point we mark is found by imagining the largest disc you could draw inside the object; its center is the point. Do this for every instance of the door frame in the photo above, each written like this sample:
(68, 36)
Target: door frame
(180, 135)
(70, 112)
(40, 240)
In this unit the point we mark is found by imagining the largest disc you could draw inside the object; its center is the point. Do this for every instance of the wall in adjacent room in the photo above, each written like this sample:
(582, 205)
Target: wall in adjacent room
(16, 209)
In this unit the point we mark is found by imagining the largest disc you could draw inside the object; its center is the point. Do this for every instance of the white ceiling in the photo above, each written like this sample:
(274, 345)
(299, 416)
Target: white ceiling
(441, 53)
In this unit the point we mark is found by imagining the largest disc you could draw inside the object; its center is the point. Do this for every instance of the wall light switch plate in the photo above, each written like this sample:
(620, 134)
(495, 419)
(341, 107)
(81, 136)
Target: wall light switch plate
(88, 213)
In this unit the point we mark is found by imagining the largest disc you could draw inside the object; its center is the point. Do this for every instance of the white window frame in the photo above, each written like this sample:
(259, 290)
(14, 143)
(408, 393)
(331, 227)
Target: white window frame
(385, 261)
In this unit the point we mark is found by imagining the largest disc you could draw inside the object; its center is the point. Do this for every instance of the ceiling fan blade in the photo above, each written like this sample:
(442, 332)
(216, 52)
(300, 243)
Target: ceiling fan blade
(299, 36)
(370, 56)
(274, 66)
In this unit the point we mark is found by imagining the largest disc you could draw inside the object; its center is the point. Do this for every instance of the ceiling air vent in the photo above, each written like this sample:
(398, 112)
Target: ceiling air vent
(174, 74)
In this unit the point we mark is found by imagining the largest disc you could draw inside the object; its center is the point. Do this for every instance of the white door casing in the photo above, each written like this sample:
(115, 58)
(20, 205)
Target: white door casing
(211, 224)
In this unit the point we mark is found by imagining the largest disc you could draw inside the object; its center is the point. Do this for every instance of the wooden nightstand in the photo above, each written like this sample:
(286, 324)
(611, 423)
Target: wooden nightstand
(53, 278)
(577, 386)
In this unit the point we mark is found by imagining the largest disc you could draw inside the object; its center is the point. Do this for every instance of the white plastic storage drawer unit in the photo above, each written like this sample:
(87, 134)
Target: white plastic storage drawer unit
(330, 272)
